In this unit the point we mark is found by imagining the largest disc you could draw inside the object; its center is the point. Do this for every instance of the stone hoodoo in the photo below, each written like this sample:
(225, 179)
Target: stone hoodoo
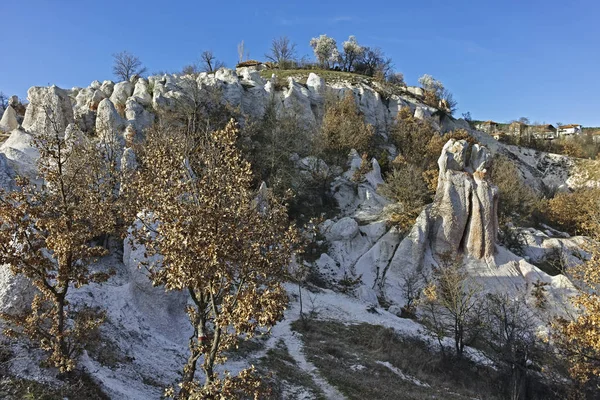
(464, 211)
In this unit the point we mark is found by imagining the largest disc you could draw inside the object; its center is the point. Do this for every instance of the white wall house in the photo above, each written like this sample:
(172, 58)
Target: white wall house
(573, 129)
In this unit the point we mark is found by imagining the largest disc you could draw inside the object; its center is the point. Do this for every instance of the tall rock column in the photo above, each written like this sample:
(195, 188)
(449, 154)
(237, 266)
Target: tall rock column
(466, 203)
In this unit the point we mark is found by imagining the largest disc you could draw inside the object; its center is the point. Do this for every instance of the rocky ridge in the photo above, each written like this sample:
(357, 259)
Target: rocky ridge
(361, 244)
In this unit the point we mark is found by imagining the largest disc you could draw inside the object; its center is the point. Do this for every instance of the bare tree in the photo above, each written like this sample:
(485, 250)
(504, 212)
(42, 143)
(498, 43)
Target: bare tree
(451, 306)
(3, 101)
(283, 52)
(209, 63)
(373, 62)
(510, 335)
(126, 65)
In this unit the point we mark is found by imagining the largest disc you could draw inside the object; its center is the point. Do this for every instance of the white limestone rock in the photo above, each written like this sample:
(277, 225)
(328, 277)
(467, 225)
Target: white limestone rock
(121, 92)
(9, 120)
(109, 124)
(296, 101)
(14, 101)
(95, 85)
(453, 156)
(149, 299)
(141, 94)
(16, 292)
(367, 295)
(107, 88)
(374, 175)
(47, 104)
(7, 174)
(97, 97)
(137, 115)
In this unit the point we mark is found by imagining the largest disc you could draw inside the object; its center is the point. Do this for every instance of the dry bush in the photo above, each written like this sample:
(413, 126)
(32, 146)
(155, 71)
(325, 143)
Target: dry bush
(405, 185)
(575, 212)
(451, 305)
(517, 202)
(344, 129)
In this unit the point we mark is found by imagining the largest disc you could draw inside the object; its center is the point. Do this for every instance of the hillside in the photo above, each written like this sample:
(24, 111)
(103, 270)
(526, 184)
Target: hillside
(350, 330)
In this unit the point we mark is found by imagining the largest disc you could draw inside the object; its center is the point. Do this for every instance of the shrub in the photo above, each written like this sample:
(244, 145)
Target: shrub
(518, 203)
(344, 129)
(406, 186)
(575, 212)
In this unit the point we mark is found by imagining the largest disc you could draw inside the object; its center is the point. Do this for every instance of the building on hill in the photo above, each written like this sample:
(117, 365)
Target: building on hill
(568, 130)
(489, 127)
(547, 131)
(517, 129)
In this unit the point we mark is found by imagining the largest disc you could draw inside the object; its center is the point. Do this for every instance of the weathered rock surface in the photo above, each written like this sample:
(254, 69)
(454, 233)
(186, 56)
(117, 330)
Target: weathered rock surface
(16, 292)
(9, 120)
(465, 206)
(121, 93)
(49, 109)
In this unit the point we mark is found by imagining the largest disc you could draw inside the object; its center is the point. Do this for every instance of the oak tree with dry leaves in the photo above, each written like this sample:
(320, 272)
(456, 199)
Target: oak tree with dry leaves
(48, 229)
(578, 338)
(206, 232)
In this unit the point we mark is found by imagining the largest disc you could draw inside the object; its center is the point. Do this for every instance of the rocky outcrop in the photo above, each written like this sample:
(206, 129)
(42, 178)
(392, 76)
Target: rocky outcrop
(109, 124)
(49, 110)
(9, 120)
(121, 92)
(466, 203)
(16, 292)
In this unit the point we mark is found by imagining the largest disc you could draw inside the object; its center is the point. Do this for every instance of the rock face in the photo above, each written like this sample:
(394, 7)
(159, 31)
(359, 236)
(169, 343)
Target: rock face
(109, 124)
(466, 203)
(9, 120)
(49, 109)
(16, 292)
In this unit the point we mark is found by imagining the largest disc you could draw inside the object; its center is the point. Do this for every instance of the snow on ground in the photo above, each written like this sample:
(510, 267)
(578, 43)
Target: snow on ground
(402, 375)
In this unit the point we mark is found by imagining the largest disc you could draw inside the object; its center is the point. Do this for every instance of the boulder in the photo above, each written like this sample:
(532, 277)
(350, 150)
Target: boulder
(465, 204)
(344, 229)
(95, 85)
(141, 93)
(151, 300)
(109, 124)
(97, 97)
(107, 87)
(374, 175)
(9, 120)
(121, 92)
(49, 109)
(137, 115)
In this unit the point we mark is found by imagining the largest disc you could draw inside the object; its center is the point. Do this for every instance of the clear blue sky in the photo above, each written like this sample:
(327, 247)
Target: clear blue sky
(502, 59)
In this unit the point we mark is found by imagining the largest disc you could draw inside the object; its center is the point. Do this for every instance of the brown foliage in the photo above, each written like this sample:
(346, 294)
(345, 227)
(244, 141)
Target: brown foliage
(205, 233)
(405, 185)
(575, 212)
(344, 129)
(47, 235)
(518, 202)
(578, 337)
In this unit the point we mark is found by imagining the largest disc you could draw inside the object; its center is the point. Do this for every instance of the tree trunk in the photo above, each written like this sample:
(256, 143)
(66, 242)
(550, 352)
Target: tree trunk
(195, 344)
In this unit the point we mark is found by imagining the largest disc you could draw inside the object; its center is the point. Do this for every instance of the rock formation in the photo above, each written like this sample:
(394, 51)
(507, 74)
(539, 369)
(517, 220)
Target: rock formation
(49, 109)
(9, 120)
(465, 205)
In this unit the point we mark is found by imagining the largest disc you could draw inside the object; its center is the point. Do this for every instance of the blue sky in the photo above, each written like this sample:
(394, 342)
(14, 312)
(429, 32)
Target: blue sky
(502, 59)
